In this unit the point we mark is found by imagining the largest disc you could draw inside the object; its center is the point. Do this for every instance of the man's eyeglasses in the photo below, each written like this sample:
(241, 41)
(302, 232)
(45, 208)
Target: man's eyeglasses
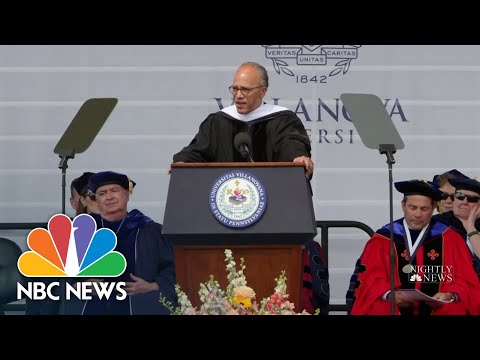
(244, 90)
(470, 198)
(447, 195)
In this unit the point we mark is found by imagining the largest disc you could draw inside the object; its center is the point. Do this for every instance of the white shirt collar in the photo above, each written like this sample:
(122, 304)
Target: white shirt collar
(263, 110)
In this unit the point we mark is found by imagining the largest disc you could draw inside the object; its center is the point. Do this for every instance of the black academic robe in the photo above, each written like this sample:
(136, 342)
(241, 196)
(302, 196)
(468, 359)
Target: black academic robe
(441, 246)
(279, 136)
(448, 218)
(316, 287)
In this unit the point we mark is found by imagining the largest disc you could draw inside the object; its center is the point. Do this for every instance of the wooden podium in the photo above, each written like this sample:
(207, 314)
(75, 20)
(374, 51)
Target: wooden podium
(272, 243)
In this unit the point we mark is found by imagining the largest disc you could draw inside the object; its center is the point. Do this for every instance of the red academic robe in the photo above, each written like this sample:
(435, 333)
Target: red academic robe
(440, 246)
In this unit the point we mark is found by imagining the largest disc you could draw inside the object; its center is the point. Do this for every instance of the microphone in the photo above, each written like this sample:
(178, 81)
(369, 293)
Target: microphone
(243, 144)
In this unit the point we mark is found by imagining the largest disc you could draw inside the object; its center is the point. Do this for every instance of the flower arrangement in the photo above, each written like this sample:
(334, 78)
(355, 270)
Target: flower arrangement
(236, 299)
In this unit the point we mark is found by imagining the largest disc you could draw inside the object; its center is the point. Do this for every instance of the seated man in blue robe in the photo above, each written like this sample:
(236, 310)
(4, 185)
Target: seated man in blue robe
(150, 269)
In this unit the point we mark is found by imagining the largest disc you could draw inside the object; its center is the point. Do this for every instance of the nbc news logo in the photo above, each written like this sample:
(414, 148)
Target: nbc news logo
(72, 249)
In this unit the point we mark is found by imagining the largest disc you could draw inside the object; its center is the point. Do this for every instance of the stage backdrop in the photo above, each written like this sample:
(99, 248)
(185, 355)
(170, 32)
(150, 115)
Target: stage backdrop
(165, 92)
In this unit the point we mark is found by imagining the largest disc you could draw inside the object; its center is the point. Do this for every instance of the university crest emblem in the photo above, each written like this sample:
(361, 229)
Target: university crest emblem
(238, 199)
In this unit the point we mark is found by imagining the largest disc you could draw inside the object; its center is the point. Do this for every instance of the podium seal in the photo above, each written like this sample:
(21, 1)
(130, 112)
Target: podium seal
(238, 199)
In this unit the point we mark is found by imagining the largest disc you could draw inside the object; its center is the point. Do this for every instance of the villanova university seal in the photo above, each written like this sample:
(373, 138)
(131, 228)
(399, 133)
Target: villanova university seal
(238, 199)
(337, 58)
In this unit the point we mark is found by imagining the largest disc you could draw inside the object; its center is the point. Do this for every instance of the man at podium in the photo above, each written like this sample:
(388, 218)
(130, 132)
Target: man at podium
(272, 133)
(251, 130)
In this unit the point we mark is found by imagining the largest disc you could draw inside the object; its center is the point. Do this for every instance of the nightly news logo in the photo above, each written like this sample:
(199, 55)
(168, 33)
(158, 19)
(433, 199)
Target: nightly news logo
(431, 273)
(72, 249)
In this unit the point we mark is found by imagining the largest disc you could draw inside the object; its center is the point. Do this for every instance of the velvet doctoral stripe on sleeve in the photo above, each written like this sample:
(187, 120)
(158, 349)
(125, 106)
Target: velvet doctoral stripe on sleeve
(373, 278)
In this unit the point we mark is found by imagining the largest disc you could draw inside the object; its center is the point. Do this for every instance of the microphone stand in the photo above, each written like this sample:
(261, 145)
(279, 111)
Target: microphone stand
(65, 155)
(247, 148)
(389, 150)
(244, 150)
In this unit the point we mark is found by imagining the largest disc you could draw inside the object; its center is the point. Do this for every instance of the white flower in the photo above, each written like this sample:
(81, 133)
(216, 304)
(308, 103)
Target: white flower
(237, 299)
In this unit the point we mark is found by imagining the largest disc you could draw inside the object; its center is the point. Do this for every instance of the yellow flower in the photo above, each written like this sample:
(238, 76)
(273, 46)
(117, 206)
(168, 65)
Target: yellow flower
(246, 302)
(244, 296)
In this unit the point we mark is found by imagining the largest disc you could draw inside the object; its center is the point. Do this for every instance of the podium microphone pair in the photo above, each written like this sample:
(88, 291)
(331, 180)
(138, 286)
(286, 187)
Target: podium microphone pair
(243, 144)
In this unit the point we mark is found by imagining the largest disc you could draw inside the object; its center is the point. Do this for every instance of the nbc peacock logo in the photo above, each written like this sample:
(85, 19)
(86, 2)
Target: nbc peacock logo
(72, 248)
